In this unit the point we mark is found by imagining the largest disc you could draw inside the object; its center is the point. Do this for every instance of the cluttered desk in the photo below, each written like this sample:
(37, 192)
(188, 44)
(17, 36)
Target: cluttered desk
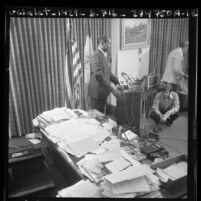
(111, 160)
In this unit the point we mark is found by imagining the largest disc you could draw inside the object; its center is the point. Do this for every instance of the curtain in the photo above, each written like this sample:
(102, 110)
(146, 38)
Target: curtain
(98, 27)
(37, 63)
(166, 34)
(37, 55)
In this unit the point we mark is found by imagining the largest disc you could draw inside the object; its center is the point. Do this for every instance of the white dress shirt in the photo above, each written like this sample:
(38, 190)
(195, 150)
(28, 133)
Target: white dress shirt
(173, 72)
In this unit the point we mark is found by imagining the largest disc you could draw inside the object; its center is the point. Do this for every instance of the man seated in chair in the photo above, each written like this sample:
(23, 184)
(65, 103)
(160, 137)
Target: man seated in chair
(166, 105)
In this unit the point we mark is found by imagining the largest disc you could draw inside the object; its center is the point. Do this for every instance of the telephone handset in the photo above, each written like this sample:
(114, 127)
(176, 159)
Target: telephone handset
(127, 78)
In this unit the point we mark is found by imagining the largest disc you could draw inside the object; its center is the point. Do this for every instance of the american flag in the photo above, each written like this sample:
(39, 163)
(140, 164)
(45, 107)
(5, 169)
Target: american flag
(77, 74)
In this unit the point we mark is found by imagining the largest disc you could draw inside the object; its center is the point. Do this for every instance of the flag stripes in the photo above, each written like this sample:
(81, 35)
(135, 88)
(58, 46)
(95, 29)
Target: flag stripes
(77, 75)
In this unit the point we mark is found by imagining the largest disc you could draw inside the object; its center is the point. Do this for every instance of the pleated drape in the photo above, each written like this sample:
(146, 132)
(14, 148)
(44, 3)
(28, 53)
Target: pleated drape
(37, 54)
(98, 27)
(166, 34)
(37, 79)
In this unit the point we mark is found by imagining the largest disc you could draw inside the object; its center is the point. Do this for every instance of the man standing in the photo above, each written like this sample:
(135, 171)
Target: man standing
(166, 105)
(174, 67)
(99, 85)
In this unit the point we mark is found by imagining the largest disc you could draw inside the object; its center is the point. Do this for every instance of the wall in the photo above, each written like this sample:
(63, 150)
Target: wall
(129, 61)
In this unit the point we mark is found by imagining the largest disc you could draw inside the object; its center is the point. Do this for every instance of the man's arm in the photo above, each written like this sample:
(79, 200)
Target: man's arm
(175, 107)
(155, 105)
(114, 79)
(176, 62)
(98, 71)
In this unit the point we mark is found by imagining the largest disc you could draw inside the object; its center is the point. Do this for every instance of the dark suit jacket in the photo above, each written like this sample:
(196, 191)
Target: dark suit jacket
(99, 85)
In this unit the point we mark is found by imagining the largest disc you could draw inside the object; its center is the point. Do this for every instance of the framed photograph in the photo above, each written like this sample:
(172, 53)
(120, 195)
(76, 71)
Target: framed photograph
(135, 33)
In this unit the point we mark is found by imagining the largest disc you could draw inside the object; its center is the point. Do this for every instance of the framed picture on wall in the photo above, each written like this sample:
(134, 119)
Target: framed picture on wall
(135, 33)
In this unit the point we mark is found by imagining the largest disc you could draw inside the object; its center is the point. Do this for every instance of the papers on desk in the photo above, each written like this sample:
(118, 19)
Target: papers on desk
(109, 155)
(131, 181)
(34, 141)
(117, 165)
(111, 145)
(80, 135)
(80, 113)
(83, 188)
(107, 192)
(129, 135)
(129, 158)
(58, 114)
(172, 172)
(90, 167)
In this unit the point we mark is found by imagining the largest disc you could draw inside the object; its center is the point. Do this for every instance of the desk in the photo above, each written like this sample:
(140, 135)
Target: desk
(64, 161)
(69, 161)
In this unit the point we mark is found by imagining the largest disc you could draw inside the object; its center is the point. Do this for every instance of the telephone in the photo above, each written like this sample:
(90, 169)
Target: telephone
(130, 81)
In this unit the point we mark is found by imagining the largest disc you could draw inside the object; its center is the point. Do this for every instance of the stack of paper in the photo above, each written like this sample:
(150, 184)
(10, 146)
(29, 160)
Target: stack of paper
(129, 158)
(173, 172)
(107, 192)
(110, 155)
(129, 135)
(130, 182)
(80, 113)
(58, 114)
(83, 188)
(117, 165)
(76, 134)
(90, 167)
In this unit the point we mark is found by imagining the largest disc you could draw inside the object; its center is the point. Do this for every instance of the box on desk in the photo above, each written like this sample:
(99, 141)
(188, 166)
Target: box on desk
(178, 184)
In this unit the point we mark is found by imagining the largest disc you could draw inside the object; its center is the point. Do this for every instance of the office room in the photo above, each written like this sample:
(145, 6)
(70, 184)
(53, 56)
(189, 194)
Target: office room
(99, 106)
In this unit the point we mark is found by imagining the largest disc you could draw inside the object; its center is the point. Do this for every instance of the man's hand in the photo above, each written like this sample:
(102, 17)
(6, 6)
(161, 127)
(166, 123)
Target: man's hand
(161, 116)
(119, 87)
(166, 116)
(116, 93)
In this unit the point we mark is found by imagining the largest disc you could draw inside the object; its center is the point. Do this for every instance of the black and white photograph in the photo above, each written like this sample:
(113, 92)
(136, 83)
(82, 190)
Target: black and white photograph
(101, 103)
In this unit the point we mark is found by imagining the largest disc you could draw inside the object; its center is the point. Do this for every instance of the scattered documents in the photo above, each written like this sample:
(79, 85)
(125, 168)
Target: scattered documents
(107, 192)
(77, 134)
(176, 171)
(138, 184)
(172, 172)
(83, 188)
(117, 165)
(80, 113)
(58, 114)
(109, 155)
(112, 144)
(34, 141)
(91, 167)
(129, 158)
(131, 182)
(129, 135)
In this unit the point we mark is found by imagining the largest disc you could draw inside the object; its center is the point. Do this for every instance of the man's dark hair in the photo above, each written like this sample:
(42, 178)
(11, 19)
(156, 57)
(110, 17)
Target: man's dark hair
(182, 44)
(103, 38)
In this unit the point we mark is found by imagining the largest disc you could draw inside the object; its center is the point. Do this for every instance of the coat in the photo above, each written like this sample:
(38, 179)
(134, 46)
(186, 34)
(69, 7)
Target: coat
(100, 77)
(173, 72)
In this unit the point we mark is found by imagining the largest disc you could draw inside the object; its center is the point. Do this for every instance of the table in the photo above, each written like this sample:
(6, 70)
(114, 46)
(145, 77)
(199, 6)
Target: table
(66, 161)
